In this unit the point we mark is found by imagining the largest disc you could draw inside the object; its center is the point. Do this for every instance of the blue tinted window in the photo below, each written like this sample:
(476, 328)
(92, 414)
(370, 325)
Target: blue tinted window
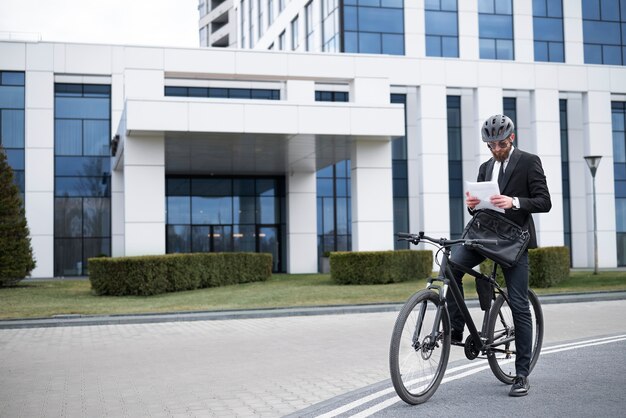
(12, 125)
(455, 167)
(374, 27)
(548, 29)
(441, 23)
(441, 29)
(227, 93)
(604, 31)
(12, 78)
(82, 176)
(495, 28)
(12, 128)
(12, 97)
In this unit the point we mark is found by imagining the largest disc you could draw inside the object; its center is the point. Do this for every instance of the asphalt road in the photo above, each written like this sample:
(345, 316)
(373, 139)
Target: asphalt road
(276, 366)
(579, 379)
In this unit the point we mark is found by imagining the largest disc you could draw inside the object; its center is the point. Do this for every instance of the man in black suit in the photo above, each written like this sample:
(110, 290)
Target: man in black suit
(523, 191)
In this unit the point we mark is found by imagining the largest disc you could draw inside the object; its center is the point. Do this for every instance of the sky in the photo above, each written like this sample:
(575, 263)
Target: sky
(126, 22)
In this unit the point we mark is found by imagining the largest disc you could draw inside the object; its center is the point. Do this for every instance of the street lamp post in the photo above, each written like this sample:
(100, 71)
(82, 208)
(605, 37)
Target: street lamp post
(593, 161)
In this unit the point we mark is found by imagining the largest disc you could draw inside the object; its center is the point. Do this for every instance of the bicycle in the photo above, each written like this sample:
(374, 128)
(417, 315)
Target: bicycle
(421, 340)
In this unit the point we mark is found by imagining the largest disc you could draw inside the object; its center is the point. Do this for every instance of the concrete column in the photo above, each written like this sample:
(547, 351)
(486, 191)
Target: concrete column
(471, 140)
(433, 160)
(468, 30)
(523, 31)
(144, 195)
(414, 29)
(372, 195)
(301, 223)
(39, 162)
(579, 182)
(599, 141)
(413, 144)
(546, 141)
(118, 223)
(573, 32)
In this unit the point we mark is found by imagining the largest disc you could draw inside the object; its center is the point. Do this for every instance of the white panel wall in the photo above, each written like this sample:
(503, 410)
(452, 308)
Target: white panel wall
(432, 159)
(468, 30)
(598, 141)
(523, 31)
(301, 222)
(573, 32)
(372, 197)
(546, 137)
(144, 198)
(39, 158)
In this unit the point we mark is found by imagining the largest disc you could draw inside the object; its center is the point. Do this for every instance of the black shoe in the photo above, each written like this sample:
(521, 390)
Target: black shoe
(456, 336)
(520, 386)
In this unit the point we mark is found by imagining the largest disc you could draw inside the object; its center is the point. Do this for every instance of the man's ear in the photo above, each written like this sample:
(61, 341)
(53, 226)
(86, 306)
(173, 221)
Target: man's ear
(512, 136)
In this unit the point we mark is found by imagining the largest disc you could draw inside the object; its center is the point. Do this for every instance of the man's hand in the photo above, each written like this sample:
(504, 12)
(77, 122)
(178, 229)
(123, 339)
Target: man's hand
(471, 201)
(501, 201)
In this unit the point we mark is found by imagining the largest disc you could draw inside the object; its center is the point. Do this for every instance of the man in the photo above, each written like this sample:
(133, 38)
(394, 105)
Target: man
(523, 191)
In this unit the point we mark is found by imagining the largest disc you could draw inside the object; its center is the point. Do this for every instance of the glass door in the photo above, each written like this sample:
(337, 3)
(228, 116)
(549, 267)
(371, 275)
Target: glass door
(268, 242)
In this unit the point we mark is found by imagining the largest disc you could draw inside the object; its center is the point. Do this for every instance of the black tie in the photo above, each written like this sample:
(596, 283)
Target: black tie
(501, 177)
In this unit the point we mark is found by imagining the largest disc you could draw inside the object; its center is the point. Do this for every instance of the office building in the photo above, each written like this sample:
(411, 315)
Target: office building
(356, 128)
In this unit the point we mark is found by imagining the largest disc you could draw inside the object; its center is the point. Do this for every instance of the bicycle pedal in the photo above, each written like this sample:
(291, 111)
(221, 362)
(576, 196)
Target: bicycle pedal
(458, 343)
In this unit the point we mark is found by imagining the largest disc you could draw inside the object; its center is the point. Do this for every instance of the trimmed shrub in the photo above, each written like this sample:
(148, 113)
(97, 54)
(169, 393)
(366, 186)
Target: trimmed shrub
(547, 266)
(152, 275)
(380, 267)
(16, 253)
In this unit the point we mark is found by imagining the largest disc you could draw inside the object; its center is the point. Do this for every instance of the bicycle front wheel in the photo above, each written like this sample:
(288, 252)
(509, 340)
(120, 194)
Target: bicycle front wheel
(420, 348)
(501, 335)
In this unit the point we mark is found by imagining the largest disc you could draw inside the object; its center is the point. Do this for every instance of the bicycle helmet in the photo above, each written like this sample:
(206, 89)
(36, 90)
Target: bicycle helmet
(497, 128)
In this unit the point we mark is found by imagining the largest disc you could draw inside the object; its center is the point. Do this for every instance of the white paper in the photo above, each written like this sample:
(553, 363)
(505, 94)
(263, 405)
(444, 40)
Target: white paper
(484, 190)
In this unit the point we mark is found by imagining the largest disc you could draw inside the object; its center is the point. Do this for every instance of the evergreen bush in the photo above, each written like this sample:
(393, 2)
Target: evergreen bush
(16, 253)
(547, 266)
(152, 275)
(380, 267)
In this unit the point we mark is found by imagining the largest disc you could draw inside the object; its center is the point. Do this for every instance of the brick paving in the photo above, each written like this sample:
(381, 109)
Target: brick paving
(266, 367)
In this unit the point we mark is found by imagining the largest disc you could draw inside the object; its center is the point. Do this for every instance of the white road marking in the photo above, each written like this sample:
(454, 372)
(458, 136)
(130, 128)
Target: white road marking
(474, 368)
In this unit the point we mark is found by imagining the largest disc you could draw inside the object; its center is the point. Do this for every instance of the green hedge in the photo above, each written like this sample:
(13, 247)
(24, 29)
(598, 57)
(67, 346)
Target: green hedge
(547, 266)
(152, 275)
(380, 267)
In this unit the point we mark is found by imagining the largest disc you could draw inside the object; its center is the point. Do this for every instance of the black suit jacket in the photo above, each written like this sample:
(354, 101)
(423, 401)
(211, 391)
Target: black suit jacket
(524, 179)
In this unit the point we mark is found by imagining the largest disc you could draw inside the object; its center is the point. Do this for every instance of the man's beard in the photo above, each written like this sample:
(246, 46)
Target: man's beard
(501, 154)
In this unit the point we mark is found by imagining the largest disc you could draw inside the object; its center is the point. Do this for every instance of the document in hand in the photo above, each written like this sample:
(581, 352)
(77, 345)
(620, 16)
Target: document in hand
(484, 190)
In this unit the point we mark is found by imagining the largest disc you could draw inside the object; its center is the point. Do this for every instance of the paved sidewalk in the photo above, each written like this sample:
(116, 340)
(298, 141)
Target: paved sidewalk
(260, 367)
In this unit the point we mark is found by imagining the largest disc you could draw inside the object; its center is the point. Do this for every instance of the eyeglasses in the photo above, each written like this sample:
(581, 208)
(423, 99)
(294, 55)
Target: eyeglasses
(500, 144)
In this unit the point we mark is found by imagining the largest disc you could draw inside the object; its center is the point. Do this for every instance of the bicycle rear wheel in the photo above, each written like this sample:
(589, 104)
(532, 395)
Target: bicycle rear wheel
(417, 361)
(501, 333)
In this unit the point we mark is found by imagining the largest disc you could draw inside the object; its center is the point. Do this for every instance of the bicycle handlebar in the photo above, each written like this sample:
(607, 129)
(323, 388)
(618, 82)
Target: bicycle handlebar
(416, 238)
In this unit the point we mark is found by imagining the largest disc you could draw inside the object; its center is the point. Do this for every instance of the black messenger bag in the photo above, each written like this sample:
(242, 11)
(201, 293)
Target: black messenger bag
(512, 239)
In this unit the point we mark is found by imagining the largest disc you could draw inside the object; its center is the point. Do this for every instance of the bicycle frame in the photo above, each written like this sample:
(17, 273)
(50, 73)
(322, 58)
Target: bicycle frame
(449, 284)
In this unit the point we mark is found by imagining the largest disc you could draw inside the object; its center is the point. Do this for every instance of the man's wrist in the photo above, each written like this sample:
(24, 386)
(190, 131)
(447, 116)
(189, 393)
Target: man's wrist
(515, 202)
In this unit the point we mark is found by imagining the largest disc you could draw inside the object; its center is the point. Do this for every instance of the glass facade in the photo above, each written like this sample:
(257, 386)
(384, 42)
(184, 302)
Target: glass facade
(548, 30)
(308, 25)
(330, 25)
(12, 123)
(604, 31)
(619, 172)
(509, 106)
(567, 209)
(373, 26)
(334, 211)
(295, 38)
(224, 214)
(82, 176)
(400, 178)
(221, 92)
(455, 167)
(442, 28)
(495, 29)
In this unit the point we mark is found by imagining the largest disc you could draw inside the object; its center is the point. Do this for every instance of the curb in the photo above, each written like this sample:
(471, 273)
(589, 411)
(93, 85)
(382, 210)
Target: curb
(86, 320)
